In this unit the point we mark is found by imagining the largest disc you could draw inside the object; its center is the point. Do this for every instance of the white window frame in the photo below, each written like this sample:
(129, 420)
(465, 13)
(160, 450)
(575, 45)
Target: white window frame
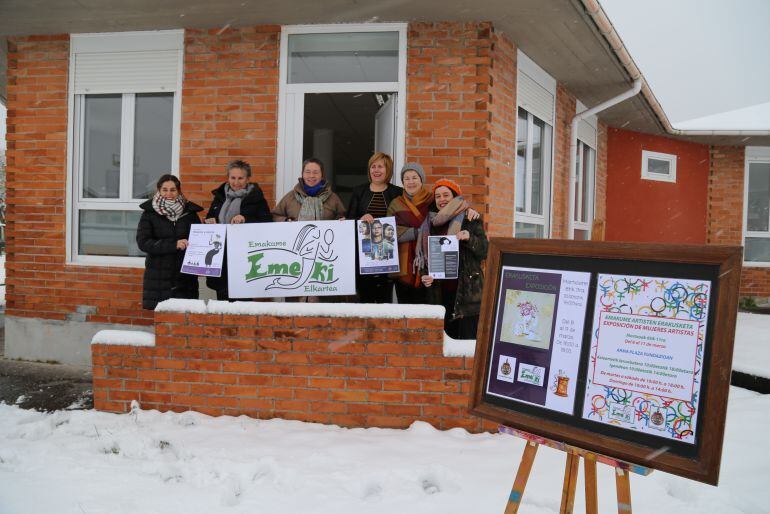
(591, 198)
(755, 154)
(291, 106)
(524, 64)
(117, 42)
(547, 182)
(670, 158)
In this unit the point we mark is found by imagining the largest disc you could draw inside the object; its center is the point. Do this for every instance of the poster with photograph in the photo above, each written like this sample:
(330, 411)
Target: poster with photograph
(377, 246)
(537, 336)
(443, 257)
(647, 354)
(205, 250)
(297, 258)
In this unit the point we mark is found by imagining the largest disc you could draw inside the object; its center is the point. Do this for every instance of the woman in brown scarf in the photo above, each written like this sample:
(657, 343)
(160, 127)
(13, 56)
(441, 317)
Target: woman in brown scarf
(410, 210)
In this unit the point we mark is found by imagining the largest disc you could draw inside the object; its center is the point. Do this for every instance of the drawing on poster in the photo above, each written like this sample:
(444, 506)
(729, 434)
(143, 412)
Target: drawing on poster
(528, 318)
(646, 354)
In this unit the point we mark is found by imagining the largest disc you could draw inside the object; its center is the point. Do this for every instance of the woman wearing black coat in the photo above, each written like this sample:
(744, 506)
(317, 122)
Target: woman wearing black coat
(370, 201)
(236, 201)
(162, 234)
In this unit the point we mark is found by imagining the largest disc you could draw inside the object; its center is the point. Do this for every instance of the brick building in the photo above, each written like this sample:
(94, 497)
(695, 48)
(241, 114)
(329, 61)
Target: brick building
(486, 94)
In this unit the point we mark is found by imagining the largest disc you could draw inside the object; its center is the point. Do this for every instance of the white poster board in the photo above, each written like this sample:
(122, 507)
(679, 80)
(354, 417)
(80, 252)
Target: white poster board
(377, 246)
(443, 257)
(205, 250)
(645, 370)
(296, 258)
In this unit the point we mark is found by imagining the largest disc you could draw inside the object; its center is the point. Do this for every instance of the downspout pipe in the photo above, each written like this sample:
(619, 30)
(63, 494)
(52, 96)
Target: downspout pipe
(573, 144)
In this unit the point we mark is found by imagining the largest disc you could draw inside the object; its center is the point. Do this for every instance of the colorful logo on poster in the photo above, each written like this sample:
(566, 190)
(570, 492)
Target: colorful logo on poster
(505, 368)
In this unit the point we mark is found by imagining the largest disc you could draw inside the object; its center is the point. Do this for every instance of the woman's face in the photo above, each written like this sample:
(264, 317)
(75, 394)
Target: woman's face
(412, 182)
(443, 195)
(237, 179)
(378, 172)
(377, 231)
(168, 190)
(311, 174)
(389, 232)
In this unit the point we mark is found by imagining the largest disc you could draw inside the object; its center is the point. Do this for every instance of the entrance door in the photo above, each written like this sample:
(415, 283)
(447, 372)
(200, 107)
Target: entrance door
(343, 130)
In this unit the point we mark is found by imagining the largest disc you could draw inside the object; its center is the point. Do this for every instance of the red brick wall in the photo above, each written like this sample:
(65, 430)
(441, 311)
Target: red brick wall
(649, 210)
(354, 372)
(39, 283)
(501, 164)
(725, 212)
(447, 117)
(229, 107)
(565, 111)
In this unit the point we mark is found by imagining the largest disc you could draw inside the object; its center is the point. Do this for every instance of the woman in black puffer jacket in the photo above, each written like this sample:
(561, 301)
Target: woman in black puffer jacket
(162, 234)
(236, 201)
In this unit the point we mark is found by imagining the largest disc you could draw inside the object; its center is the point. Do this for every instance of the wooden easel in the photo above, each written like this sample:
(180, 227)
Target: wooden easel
(622, 470)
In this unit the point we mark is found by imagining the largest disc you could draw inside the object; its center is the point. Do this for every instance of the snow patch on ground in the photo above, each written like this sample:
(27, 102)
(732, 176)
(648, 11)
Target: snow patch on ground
(124, 337)
(752, 344)
(192, 463)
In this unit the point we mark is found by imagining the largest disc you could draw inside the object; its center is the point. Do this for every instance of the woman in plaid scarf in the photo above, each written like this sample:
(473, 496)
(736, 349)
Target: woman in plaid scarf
(162, 234)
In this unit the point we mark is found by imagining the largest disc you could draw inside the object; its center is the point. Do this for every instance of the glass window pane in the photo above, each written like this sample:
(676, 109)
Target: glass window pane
(521, 161)
(757, 249)
(108, 233)
(758, 208)
(585, 184)
(659, 166)
(101, 146)
(153, 131)
(343, 57)
(581, 235)
(529, 231)
(538, 142)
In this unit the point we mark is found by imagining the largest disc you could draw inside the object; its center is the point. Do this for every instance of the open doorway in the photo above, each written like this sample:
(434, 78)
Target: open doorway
(344, 130)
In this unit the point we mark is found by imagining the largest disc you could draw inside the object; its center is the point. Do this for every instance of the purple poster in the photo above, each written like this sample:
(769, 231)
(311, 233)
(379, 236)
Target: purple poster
(537, 336)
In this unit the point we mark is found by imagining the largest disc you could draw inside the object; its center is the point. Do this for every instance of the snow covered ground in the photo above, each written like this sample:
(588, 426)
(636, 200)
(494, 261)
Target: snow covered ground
(86, 462)
(752, 344)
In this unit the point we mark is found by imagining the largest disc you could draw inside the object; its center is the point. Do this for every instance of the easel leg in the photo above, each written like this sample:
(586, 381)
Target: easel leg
(522, 475)
(570, 482)
(623, 485)
(589, 466)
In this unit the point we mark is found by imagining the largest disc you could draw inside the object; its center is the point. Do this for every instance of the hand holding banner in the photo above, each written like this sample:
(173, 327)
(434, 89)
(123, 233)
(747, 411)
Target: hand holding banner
(205, 251)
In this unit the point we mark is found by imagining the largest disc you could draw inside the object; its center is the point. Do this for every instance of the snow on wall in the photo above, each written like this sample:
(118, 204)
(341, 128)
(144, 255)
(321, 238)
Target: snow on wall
(333, 310)
(124, 338)
(459, 347)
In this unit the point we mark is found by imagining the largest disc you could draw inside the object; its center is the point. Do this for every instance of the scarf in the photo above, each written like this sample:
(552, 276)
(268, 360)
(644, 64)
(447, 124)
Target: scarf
(313, 190)
(410, 212)
(171, 209)
(232, 205)
(312, 207)
(453, 213)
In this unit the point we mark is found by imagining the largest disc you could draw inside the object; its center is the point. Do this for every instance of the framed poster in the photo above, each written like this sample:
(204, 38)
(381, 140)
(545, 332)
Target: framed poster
(296, 258)
(377, 246)
(205, 250)
(621, 349)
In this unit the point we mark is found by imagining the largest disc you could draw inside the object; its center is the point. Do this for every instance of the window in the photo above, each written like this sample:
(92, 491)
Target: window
(658, 166)
(125, 105)
(533, 176)
(584, 192)
(757, 210)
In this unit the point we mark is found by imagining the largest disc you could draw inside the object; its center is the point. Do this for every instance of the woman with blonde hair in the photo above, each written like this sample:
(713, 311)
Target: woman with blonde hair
(368, 202)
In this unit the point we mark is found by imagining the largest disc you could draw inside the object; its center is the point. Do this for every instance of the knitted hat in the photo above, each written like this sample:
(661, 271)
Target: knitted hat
(451, 184)
(413, 166)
